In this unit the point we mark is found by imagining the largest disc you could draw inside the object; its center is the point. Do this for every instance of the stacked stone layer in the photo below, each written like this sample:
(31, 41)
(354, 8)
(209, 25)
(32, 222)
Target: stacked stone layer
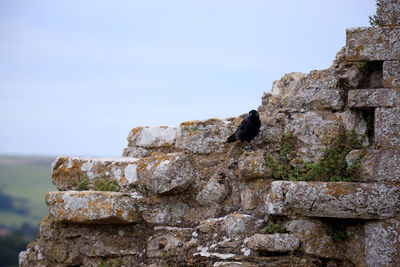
(184, 197)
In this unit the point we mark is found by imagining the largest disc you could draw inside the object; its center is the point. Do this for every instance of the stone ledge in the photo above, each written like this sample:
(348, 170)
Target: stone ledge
(370, 98)
(337, 200)
(93, 207)
(161, 174)
(67, 172)
(273, 242)
(373, 43)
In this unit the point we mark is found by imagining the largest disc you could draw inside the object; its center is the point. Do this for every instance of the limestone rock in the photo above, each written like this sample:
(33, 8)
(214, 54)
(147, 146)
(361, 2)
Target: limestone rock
(214, 192)
(93, 207)
(382, 246)
(167, 174)
(367, 98)
(252, 165)
(381, 166)
(237, 224)
(165, 211)
(273, 242)
(315, 91)
(313, 237)
(354, 247)
(249, 199)
(153, 136)
(204, 137)
(387, 128)
(313, 130)
(338, 200)
(353, 120)
(67, 172)
(167, 241)
(372, 43)
(210, 225)
(286, 85)
(83, 244)
(145, 140)
(388, 12)
(391, 74)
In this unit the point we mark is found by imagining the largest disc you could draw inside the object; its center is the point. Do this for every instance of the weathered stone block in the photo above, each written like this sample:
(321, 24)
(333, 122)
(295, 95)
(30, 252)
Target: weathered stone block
(168, 241)
(251, 165)
(273, 242)
(67, 172)
(165, 211)
(93, 207)
(338, 200)
(204, 137)
(371, 98)
(314, 98)
(313, 237)
(249, 199)
(391, 74)
(380, 166)
(145, 140)
(373, 43)
(387, 128)
(166, 174)
(353, 120)
(213, 192)
(388, 12)
(153, 136)
(286, 85)
(382, 243)
(66, 244)
(237, 224)
(162, 174)
(354, 247)
(312, 131)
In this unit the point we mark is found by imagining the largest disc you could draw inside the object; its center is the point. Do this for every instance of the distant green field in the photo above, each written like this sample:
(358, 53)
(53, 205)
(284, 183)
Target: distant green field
(26, 178)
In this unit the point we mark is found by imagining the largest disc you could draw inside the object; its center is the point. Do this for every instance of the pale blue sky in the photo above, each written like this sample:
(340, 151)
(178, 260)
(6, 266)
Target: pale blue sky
(76, 76)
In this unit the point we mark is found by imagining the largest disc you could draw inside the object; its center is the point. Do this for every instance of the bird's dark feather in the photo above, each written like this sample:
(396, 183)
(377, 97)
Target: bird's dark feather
(248, 128)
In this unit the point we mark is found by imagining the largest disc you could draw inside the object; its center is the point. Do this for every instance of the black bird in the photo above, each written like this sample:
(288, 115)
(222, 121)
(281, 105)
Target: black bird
(248, 128)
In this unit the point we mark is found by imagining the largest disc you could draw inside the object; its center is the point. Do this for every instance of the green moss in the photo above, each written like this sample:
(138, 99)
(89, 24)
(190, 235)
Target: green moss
(337, 232)
(331, 167)
(83, 184)
(273, 226)
(104, 184)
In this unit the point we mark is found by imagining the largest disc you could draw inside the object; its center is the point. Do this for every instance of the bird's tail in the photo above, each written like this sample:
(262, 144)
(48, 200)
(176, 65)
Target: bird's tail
(231, 139)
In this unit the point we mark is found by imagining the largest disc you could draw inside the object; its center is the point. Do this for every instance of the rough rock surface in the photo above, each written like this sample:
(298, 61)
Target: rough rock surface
(373, 43)
(186, 198)
(273, 242)
(367, 98)
(391, 74)
(387, 128)
(93, 206)
(382, 243)
(313, 238)
(334, 199)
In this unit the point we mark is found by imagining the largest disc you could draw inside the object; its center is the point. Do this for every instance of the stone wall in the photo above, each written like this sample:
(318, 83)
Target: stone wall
(181, 196)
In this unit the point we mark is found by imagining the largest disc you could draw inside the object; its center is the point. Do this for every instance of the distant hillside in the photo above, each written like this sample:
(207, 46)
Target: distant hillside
(24, 182)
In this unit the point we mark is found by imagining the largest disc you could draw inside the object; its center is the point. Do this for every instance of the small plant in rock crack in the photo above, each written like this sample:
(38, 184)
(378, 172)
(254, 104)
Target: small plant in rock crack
(273, 226)
(338, 232)
(104, 184)
(83, 184)
(332, 166)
